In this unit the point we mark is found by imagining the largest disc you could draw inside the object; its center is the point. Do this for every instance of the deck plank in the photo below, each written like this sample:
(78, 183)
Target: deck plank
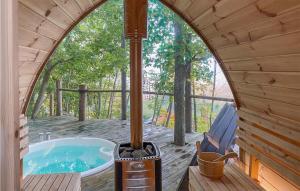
(175, 159)
(54, 182)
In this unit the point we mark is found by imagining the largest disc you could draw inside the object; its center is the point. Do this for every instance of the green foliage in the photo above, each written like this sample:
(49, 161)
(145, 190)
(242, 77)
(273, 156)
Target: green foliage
(92, 50)
(159, 47)
(91, 54)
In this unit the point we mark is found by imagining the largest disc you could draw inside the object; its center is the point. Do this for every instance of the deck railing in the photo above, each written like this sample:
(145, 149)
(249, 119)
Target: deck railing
(83, 92)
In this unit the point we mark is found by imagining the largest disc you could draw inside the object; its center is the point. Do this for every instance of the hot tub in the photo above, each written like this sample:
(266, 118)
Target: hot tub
(83, 155)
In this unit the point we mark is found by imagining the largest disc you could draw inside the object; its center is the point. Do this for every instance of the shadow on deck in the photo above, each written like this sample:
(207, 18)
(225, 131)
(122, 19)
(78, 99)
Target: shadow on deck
(175, 160)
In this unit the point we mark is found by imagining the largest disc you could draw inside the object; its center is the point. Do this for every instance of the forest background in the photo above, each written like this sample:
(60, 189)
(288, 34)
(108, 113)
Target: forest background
(95, 53)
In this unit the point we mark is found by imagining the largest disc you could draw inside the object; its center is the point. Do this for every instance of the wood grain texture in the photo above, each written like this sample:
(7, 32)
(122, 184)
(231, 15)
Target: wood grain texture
(257, 43)
(53, 182)
(275, 145)
(9, 98)
(232, 180)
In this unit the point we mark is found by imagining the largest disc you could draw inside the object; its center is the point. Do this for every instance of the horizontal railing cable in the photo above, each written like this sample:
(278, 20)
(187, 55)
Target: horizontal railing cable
(152, 93)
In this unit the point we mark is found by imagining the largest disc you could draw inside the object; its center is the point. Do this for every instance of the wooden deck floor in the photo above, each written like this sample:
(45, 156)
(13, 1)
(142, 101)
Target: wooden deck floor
(175, 159)
(53, 182)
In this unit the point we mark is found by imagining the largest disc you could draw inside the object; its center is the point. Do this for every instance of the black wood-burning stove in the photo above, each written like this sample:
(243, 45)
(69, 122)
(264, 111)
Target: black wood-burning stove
(138, 174)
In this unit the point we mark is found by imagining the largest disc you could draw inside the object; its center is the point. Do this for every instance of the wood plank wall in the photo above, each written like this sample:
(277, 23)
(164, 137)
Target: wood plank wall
(9, 103)
(257, 43)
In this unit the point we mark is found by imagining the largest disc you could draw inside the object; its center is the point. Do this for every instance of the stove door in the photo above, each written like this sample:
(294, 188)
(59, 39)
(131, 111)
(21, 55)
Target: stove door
(138, 175)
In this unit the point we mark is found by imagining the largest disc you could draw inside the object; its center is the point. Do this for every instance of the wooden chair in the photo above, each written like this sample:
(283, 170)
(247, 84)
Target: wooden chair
(220, 138)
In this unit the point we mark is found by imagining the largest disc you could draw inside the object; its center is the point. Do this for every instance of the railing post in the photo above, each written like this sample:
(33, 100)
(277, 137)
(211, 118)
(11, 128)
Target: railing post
(82, 102)
(51, 104)
(58, 98)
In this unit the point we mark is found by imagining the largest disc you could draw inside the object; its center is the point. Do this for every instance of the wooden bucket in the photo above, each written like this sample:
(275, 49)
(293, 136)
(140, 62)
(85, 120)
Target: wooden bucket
(209, 168)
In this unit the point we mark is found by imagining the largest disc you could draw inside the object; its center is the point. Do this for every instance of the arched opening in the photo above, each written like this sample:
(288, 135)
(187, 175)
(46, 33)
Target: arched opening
(256, 42)
(57, 123)
(88, 11)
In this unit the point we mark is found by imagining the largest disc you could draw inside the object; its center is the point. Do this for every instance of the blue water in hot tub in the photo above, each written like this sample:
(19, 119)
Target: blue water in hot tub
(64, 159)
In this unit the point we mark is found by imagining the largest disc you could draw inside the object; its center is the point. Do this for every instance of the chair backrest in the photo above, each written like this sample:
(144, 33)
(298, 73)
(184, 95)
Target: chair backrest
(223, 128)
(225, 120)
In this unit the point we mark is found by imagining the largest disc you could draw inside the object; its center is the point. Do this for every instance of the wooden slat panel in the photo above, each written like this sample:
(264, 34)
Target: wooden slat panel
(265, 159)
(284, 44)
(23, 131)
(23, 152)
(287, 160)
(196, 8)
(292, 124)
(218, 11)
(279, 79)
(286, 146)
(74, 183)
(25, 80)
(24, 142)
(65, 183)
(277, 181)
(242, 17)
(42, 182)
(276, 6)
(33, 183)
(251, 18)
(26, 181)
(286, 95)
(23, 120)
(281, 63)
(280, 129)
(270, 107)
(70, 7)
(232, 180)
(50, 10)
(57, 182)
(279, 25)
(34, 40)
(22, 92)
(84, 4)
(49, 182)
(27, 54)
(97, 1)
(32, 21)
(29, 67)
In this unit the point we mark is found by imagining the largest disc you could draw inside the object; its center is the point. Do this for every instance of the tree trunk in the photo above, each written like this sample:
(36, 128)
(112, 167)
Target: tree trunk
(213, 93)
(42, 91)
(123, 84)
(169, 113)
(159, 109)
(67, 98)
(51, 104)
(188, 88)
(154, 108)
(195, 108)
(179, 86)
(106, 96)
(112, 94)
(58, 98)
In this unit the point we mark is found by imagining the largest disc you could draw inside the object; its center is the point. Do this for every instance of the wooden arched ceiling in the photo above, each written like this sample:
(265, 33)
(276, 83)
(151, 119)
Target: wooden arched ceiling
(257, 43)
